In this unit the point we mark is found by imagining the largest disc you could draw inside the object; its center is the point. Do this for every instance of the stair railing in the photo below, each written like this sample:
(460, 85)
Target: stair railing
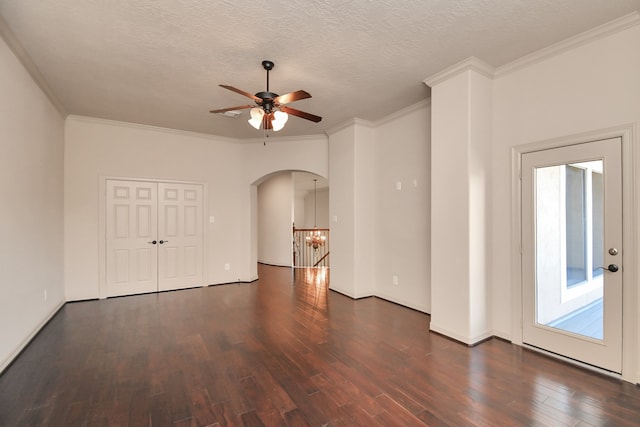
(310, 247)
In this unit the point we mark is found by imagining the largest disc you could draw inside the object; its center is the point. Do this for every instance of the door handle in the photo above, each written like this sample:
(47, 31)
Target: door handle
(611, 267)
(166, 241)
(153, 242)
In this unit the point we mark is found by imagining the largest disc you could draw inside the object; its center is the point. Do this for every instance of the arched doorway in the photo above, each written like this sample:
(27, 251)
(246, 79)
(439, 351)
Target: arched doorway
(278, 201)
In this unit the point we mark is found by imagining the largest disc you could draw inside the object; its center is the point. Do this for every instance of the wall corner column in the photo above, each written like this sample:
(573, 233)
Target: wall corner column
(351, 212)
(461, 141)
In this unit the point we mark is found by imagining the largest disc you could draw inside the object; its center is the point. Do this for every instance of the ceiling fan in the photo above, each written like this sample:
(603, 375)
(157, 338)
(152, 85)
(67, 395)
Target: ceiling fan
(270, 111)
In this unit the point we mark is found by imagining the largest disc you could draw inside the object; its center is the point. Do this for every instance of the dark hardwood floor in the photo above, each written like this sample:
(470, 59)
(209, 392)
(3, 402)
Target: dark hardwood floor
(284, 351)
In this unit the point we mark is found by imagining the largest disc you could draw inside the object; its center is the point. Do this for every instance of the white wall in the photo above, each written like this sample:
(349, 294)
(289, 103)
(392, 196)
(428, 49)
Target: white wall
(403, 220)
(365, 210)
(322, 206)
(275, 210)
(342, 210)
(299, 207)
(307, 154)
(450, 208)
(592, 86)
(230, 170)
(97, 149)
(461, 172)
(585, 85)
(31, 248)
(480, 168)
(381, 231)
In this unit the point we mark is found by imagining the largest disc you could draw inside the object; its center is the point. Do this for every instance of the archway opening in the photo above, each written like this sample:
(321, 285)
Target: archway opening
(281, 201)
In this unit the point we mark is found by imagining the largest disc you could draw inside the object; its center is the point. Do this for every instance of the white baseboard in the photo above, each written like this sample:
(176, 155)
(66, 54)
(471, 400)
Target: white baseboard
(25, 342)
(463, 339)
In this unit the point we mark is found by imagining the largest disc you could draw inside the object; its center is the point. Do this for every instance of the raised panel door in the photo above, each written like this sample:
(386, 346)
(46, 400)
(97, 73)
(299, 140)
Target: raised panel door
(131, 223)
(180, 256)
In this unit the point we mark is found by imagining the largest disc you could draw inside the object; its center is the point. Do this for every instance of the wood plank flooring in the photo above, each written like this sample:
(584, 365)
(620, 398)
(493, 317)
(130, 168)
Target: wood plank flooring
(284, 351)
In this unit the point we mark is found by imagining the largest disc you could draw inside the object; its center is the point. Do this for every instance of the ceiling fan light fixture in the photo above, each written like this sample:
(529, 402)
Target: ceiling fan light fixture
(256, 117)
(279, 120)
(270, 111)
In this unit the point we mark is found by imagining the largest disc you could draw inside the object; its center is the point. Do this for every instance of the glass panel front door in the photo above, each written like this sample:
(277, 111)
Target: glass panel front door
(571, 231)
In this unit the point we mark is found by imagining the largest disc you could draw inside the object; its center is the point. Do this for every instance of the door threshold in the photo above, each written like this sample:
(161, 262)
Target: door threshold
(574, 362)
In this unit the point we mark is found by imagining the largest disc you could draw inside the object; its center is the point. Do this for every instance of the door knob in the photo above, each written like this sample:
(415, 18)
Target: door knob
(611, 267)
(153, 242)
(166, 241)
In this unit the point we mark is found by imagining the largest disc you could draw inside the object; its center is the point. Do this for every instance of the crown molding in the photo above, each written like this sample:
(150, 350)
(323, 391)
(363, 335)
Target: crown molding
(620, 24)
(351, 122)
(294, 138)
(373, 124)
(425, 103)
(470, 64)
(116, 123)
(16, 47)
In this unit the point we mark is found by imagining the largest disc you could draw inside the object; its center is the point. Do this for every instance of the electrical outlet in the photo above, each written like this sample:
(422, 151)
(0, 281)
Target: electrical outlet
(45, 295)
(227, 267)
(394, 279)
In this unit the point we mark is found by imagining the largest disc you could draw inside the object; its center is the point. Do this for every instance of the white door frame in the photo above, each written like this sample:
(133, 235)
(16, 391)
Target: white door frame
(630, 210)
(102, 230)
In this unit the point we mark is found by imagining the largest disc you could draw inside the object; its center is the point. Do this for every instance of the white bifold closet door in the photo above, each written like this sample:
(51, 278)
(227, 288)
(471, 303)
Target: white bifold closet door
(154, 236)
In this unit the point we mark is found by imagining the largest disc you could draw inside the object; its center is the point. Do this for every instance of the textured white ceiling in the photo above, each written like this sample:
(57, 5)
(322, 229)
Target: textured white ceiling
(159, 62)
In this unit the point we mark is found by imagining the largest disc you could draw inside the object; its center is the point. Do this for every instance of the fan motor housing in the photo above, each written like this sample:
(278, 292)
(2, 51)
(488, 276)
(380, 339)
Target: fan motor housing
(267, 100)
(267, 96)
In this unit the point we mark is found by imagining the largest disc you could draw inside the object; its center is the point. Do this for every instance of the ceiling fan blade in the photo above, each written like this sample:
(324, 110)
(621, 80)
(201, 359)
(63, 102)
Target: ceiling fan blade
(300, 114)
(239, 107)
(241, 92)
(292, 96)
